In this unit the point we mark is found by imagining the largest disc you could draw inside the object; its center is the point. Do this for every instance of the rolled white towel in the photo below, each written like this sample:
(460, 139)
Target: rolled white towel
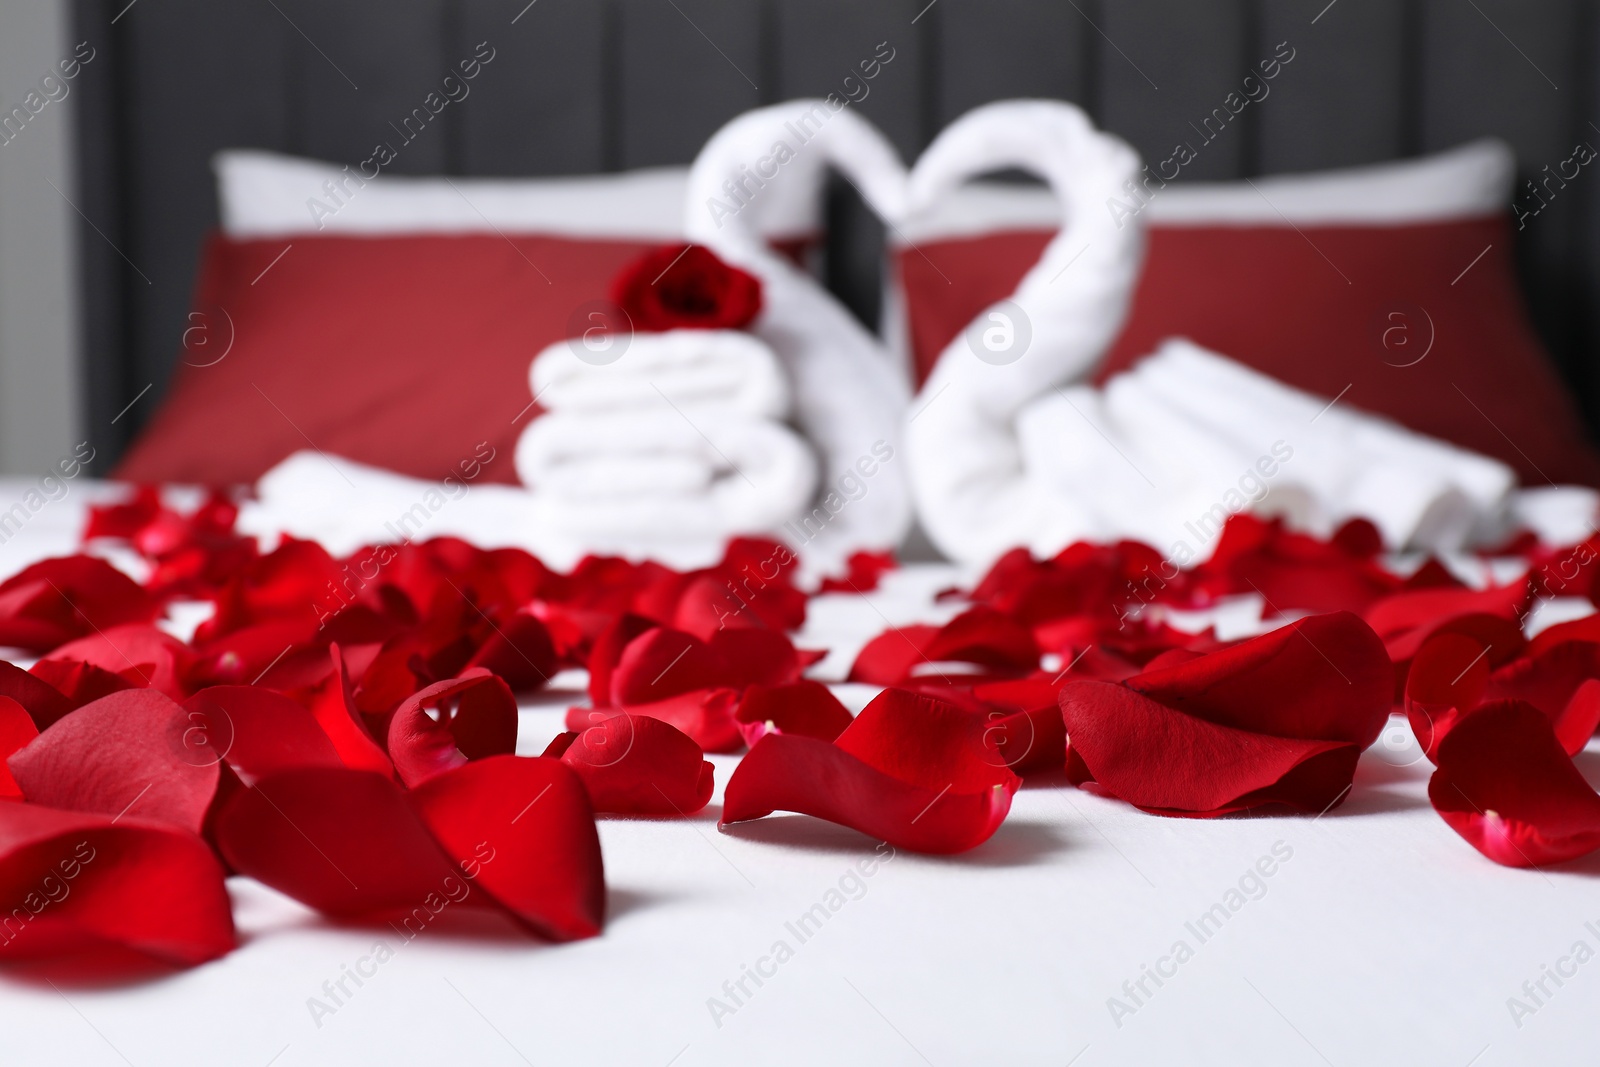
(720, 474)
(1166, 451)
(678, 437)
(692, 368)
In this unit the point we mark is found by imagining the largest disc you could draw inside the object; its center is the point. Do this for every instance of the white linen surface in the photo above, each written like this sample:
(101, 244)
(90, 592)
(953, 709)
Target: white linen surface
(1383, 938)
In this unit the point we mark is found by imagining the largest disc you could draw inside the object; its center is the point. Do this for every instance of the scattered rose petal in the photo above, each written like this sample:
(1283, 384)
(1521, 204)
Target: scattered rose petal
(477, 717)
(529, 827)
(705, 715)
(805, 708)
(1281, 718)
(330, 703)
(72, 881)
(125, 754)
(157, 659)
(637, 765)
(58, 600)
(43, 701)
(1505, 785)
(912, 770)
(863, 571)
(16, 730)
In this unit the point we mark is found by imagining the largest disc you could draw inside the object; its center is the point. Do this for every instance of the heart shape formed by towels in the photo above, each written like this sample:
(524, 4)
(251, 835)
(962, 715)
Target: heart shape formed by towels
(963, 463)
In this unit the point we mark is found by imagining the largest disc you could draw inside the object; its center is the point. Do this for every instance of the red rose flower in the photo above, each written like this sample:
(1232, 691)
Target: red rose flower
(686, 287)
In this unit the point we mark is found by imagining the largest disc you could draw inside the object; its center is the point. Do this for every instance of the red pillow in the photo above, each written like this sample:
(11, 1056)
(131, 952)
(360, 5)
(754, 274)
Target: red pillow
(1270, 297)
(402, 352)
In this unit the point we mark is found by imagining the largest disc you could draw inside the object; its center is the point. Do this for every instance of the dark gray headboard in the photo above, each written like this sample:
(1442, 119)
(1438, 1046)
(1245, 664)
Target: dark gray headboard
(593, 85)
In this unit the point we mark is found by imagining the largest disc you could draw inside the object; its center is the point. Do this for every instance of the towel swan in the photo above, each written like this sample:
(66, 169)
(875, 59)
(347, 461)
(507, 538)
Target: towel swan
(1007, 446)
(968, 470)
(849, 394)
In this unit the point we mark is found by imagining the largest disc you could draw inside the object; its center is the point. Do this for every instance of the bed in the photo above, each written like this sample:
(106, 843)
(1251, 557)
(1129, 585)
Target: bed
(1084, 931)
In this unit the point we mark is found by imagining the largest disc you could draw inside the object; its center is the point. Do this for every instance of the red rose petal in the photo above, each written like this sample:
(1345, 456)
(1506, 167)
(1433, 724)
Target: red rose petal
(81, 683)
(888, 658)
(1281, 718)
(16, 730)
(1023, 720)
(335, 712)
(1446, 681)
(1168, 762)
(706, 715)
(1505, 785)
(1493, 615)
(123, 754)
(1322, 677)
(637, 765)
(525, 829)
(340, 840)
(291, 582)
(662, 663)
(477, 717)
(863, 571)
(805, 708)
(157, 659)
(520, 650)
(44, 701)
(1563, 681)
(1584, 629)
(980, 635)
(58, 600)
(255, 731)
(912, 770)
(1295, 571)
(787, 773)
(607, 651)
(73, 880)
(1451, 676)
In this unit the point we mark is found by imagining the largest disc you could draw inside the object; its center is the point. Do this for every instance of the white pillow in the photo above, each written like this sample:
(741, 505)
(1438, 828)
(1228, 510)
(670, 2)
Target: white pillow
(265, 194)
(1474, 179)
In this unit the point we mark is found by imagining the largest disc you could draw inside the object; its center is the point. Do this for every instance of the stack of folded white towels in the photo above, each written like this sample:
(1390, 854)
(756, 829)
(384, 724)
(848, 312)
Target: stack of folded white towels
(681, 441)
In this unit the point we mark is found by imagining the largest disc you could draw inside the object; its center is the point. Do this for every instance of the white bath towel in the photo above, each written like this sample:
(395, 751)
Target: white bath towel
(1006, 448)
(678, 439)
(691, 368)
(849, 392)
(971, 485)
(1168, 450)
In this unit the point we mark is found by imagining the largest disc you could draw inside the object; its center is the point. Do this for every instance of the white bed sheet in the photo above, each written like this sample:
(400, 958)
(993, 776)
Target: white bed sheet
(1384, 938)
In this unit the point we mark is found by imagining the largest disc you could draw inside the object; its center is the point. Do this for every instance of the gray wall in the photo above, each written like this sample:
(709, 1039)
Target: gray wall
(39, 365)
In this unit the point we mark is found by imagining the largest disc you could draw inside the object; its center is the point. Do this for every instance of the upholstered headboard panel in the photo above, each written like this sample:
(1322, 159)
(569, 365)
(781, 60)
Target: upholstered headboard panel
(593, 85)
